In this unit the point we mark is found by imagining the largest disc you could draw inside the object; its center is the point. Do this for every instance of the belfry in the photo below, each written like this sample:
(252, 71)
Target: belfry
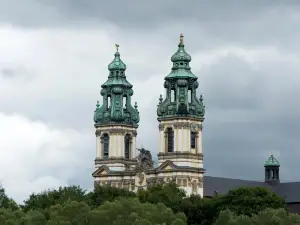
(116, 120)
(180, 117)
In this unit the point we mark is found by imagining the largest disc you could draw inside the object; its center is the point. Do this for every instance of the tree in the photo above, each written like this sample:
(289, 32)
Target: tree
(249, 200)
(266, 217)
(198, 210)
(168, 194)
(34, 217)
(105, 193)
(6, 202)
(49, 198)
(71, 212)
(132, 211)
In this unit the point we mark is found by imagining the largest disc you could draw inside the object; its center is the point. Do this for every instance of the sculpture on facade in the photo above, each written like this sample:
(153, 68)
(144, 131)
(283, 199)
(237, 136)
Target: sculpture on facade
(144, 160)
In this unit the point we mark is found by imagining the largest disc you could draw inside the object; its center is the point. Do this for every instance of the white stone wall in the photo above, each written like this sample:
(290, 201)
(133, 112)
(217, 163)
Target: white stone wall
(182, 136)
(182, 141)
(116, 144)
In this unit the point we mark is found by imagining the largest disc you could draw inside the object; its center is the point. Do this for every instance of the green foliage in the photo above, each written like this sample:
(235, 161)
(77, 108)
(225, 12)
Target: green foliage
(102, 194)
(168, 194)
(198, 210)
(158, 205)
(72, 212)
(266, 217)
(6, 202)
(49, 198)
(249, 201)
(34, 218)
(132, 211)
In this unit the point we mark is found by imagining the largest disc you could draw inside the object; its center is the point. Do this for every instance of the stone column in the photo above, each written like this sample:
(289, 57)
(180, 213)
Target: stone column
(162, 142)
(174, 139)
(133, 147)
(188, 147)
(112, 147)
(199, 142)
(98, 147)
(185, 139)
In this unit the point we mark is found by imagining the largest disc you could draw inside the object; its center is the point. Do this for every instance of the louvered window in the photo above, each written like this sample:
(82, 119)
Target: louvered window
(105, 146)
(127, 146)
(193, 140)
(170, 139)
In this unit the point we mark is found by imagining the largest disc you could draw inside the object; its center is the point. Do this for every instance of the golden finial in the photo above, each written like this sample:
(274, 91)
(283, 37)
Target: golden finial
(117, 47)
(181, 38)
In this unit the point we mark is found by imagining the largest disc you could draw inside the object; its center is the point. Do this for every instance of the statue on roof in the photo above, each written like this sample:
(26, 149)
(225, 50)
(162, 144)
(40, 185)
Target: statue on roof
(144, 159)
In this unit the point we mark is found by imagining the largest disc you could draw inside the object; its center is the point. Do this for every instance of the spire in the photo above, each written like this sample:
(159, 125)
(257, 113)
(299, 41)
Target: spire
(181, 60)
(181, 85)
(116, 92)
(272, 161)
(117, 63)
(181, 54)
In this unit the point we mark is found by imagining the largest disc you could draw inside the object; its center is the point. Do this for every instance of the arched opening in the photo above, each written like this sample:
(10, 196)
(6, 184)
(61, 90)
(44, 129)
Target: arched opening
(193, 140)
(190, 96)
(105, 146)
(170, 139)
(108, 102)
(124, 102)
(127, 146)
(173, 96)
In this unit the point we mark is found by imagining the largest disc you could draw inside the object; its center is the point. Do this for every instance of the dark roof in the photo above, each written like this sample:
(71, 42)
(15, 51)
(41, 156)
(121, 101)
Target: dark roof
(289, 191)
(219, 185)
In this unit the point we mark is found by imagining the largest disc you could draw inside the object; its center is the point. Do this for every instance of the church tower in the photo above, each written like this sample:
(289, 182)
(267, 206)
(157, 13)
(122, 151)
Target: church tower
(116, 120)
(180, 117)
(272, 170)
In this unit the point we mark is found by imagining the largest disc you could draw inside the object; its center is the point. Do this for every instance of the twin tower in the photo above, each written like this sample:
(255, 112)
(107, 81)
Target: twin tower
(180, 116)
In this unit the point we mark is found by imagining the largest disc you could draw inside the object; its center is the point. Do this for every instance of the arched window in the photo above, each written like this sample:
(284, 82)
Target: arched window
(190, 96)
(105, 146)
(108, 102)
(170, 139)
(193, 140)
(173, 96)
(127, 146)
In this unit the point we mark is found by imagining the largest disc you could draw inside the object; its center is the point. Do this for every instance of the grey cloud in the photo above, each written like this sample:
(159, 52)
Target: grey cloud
(134, 12)
(252, 109)
(244, 134)
(16, 73)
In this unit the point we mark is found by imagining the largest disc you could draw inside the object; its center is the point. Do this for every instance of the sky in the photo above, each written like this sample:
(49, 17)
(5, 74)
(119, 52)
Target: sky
(53, 60)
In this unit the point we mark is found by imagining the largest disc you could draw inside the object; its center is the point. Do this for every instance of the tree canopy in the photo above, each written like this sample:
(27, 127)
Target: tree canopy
(159, 204)
(265, 217)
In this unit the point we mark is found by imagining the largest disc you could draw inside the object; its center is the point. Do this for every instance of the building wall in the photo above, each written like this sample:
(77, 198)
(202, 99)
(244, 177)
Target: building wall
(116, 156)
(182, 142)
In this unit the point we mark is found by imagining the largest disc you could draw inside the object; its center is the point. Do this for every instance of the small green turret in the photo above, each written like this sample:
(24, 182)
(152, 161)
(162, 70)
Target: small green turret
(181, 84)
(116, 91)
(272, 170)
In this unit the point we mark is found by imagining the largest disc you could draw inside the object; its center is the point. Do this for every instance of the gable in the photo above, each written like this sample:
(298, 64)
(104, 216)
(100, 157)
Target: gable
(167, 165)
(101, 171)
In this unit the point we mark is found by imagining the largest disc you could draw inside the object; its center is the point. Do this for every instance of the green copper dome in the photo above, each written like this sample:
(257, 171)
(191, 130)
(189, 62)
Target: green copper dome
(181, 55)
(117, 63)
(116, 92)
(181, 87)
(272, 161)
(181, 63)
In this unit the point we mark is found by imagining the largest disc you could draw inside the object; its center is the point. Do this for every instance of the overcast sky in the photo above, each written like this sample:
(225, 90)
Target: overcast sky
(53, 60)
